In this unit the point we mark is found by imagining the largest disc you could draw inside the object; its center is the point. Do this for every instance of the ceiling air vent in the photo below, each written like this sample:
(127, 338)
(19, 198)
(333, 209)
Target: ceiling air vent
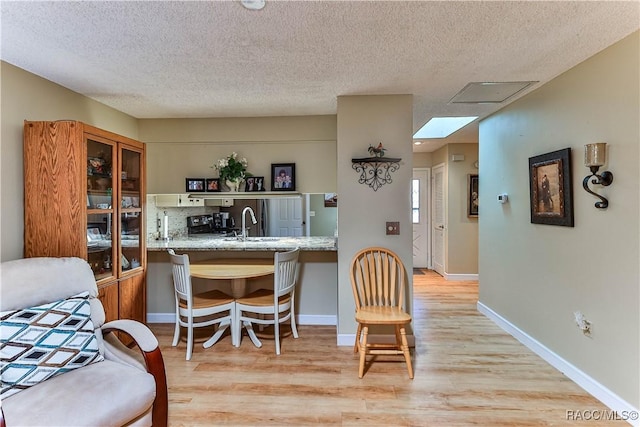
(489, 92)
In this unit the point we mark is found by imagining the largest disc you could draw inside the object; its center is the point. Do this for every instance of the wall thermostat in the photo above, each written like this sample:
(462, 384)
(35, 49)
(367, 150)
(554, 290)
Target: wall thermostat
(503, 198)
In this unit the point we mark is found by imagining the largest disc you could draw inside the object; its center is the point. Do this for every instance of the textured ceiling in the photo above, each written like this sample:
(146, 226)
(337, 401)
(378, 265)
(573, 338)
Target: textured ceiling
(218, 59)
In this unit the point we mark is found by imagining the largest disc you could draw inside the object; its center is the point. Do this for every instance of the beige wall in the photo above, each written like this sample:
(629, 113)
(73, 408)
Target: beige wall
(461, 231)
(461, 256)
(181, 148)
(365, 120)
(29, 97)
(422, 160)
(536, 276)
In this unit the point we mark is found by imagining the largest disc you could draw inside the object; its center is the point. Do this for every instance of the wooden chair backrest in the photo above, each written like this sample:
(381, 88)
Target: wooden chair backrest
(285, 272)
(377, 278)
(181, 275)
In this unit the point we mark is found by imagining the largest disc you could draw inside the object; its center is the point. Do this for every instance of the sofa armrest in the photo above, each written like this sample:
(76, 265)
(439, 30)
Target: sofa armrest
(148, 344)
(140, 333)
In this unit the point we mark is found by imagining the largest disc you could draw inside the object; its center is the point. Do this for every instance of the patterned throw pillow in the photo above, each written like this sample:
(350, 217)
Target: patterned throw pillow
(41, 342)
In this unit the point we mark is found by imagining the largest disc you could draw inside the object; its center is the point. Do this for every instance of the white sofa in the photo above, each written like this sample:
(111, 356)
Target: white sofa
(119, 387)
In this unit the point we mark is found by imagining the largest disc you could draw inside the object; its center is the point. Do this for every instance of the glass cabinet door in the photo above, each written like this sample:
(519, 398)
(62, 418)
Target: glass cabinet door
(100, 207)
(130, 202)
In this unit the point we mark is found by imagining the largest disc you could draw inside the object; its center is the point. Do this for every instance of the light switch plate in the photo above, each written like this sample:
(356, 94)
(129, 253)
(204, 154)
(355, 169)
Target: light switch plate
(393, 228)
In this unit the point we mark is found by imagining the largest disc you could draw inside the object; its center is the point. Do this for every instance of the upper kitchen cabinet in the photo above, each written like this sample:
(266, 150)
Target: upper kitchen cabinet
(84, 190)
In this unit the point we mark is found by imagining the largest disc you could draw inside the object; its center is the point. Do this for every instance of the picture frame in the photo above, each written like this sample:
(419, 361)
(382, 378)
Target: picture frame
(94, 234)
(212, 185)
(472, 195)
(195, 185)
(330, 200)
(254, 183)
(283, 176)
(550, 188)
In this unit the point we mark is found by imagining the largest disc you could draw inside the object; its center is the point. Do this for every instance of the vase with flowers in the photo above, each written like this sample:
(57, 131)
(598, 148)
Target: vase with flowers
(232, 171)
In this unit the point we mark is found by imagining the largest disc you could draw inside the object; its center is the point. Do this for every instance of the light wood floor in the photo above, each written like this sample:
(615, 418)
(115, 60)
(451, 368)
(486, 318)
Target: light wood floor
(468, 372)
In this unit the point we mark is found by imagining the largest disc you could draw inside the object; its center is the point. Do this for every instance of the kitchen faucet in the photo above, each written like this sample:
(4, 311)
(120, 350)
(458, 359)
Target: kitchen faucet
(244, 221)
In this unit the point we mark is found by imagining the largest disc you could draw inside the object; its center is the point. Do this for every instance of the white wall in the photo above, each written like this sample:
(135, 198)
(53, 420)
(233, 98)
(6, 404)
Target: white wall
(535, 276)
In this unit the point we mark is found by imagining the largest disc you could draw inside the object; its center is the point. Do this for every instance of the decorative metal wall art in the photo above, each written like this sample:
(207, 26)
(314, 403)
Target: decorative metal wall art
(375, 171)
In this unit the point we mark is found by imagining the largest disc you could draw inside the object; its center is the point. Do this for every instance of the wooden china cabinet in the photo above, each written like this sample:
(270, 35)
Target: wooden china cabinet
(84, 195)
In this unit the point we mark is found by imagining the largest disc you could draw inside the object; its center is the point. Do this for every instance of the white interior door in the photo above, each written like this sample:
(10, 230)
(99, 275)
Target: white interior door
(438, 218)
(285, 217)
(420, 216)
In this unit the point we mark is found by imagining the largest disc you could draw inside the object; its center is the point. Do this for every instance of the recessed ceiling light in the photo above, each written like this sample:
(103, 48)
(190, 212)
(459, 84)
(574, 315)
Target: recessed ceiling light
(417, 142)
(489, 92)
(442, 127)
(253, 4)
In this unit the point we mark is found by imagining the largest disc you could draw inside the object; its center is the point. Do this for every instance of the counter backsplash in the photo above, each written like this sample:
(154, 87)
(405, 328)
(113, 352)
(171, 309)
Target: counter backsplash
(177, 218)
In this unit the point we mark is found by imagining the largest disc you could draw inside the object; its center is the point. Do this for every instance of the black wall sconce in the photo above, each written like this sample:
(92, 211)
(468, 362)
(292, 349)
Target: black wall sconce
(595, 156)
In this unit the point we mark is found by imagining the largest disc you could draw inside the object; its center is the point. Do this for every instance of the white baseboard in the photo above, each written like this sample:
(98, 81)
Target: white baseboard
(591, 386)
(317, 320)
(460, 277)
(303, 319)
(161, 317)
(347, 340)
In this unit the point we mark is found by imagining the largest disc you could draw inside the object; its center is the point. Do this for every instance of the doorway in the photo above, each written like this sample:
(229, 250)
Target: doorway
(421, 218)
(437, 218)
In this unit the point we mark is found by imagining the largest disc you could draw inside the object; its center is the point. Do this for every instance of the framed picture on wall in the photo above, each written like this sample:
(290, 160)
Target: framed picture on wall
(472, 196)
(330, 200)
(283, 177)
(550, 188)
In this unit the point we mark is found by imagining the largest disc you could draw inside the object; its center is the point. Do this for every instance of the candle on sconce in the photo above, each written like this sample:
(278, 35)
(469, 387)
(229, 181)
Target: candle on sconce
(595, 154)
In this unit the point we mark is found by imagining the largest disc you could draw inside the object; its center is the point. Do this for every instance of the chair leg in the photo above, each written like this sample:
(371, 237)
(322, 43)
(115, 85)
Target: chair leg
(189, 338)
(221, 328)
(358, 332)
(176, 332)
(238, 327)
(363, 350)
(276, 332)
(294, 328)
(234, 321)
(405, 350)
(252, 334)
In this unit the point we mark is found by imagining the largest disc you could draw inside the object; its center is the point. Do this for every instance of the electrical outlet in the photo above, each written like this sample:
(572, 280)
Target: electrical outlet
(393, 228)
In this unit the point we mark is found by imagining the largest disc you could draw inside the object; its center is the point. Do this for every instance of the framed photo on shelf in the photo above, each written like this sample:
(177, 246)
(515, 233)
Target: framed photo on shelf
(195, 185)
(550, 188)
(472, 196)
(254, 183)
(213, 185)
(283, 177)
(94, 234)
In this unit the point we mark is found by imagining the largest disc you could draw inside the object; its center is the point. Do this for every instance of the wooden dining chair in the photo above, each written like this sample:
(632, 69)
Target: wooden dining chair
(198, 310)
(378, 282)
(271, 307)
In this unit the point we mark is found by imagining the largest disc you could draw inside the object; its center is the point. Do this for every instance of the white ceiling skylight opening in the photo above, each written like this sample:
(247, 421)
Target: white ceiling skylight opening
(442, 127)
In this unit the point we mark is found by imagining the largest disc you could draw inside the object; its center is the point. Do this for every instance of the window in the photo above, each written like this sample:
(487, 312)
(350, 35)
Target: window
(415, 201)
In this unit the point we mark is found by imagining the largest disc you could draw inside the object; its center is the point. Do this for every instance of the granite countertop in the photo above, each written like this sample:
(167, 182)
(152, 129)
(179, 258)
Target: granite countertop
(251, 244)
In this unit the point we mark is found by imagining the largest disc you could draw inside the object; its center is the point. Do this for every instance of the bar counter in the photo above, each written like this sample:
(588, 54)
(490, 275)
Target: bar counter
(316, 295)
(208, 243)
